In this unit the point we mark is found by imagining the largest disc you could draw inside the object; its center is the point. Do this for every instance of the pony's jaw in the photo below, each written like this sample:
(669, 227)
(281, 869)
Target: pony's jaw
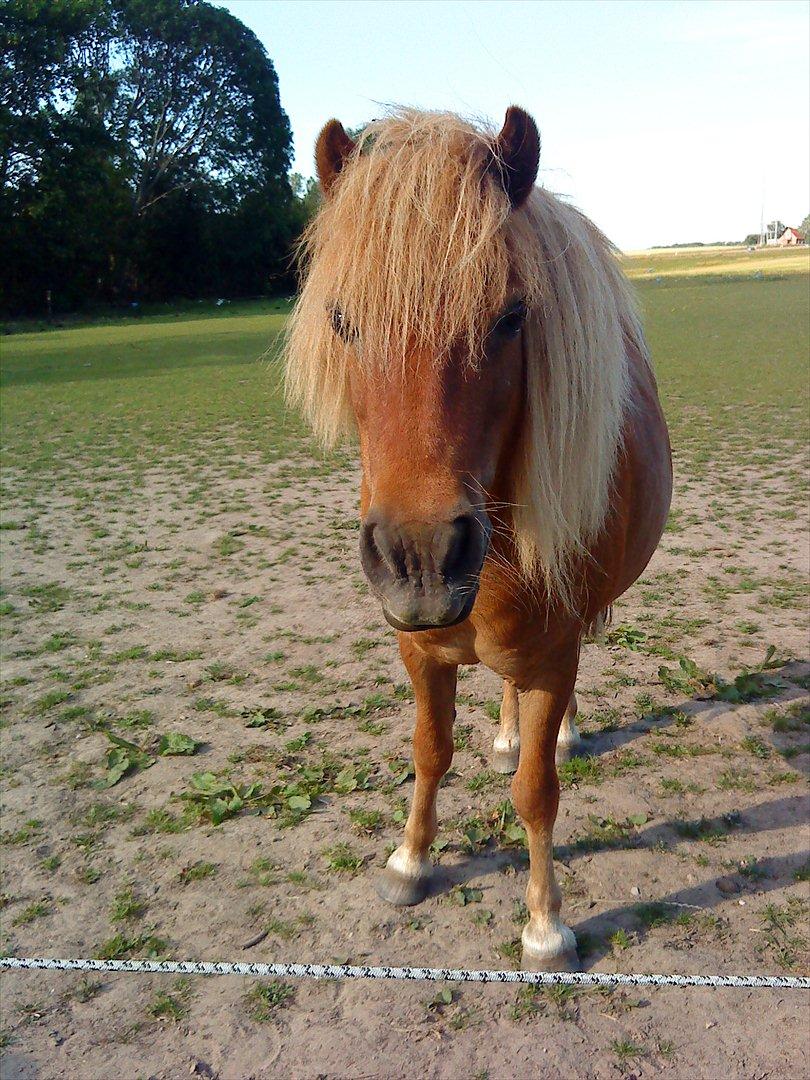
(413, 628)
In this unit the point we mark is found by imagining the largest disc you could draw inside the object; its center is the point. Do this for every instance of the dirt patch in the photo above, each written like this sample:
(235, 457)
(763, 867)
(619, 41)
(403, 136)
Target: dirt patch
(226, 605)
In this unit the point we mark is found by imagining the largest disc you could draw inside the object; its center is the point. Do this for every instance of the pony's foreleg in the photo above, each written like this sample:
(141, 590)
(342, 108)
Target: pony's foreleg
(506, 747)
(406, 877)
(548, 945)
(569, 742)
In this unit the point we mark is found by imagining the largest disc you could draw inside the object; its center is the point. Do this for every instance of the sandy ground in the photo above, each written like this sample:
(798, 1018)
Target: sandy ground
(192, 601)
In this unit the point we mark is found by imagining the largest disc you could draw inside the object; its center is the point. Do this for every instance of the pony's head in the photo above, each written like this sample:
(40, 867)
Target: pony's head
(446, 319)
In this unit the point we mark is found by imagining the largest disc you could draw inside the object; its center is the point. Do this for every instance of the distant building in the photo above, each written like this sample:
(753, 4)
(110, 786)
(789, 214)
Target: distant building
(790, 238)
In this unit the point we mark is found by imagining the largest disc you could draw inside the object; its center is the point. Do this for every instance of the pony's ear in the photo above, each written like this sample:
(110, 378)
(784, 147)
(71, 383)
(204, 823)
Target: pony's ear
(517, 155)
(331, 150)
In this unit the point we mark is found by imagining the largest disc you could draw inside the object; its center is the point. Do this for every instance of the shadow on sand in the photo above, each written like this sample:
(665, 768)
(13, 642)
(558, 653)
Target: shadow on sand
(771, 872)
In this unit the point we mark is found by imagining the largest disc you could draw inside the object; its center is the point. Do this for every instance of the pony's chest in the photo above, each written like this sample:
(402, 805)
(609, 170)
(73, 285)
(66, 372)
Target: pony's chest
(496, 639)
(455, 645)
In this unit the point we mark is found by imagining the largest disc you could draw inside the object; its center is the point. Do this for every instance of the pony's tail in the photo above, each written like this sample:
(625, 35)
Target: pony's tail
(595, 629)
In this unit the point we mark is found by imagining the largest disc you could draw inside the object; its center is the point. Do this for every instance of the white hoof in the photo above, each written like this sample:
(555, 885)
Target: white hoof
(505, 755)
(551, 947)
(405, 880)
(569, 744)
(407, 864)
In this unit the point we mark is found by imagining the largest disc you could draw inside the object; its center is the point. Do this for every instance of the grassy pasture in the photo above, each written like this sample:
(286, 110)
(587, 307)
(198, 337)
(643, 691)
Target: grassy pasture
(184, 617)
(716, 262)
(144, 387)
(730, 351)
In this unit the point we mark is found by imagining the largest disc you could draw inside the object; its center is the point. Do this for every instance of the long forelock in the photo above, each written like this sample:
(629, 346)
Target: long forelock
(418, 246)
(411, 246)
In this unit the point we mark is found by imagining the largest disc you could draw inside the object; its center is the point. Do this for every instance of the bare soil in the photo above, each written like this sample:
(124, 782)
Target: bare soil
(200, 597)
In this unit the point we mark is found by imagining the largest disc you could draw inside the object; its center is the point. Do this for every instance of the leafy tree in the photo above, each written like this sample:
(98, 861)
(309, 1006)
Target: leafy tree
(43, 47)
(197, 98)
(136, 138)
(60, 199)
(308, 192)
(804, 228)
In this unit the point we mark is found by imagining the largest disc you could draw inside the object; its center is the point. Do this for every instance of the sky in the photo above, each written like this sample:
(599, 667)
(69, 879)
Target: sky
(665, 122)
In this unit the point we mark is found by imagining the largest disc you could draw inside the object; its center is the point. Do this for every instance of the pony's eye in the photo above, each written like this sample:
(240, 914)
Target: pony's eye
(511, 322)
(340, 324)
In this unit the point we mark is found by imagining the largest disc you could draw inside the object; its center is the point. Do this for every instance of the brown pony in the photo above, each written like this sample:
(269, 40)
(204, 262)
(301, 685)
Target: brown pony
(478, 335)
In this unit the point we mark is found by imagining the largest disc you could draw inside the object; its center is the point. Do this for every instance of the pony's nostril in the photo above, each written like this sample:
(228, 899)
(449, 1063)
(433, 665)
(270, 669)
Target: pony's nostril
(459, 547)
(457, 559)
(385, 548)
(379, 551)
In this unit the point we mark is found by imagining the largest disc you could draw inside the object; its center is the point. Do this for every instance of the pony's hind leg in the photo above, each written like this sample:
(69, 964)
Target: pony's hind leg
(506, 747)
(569, 743)
(406, 877)
(548, 944)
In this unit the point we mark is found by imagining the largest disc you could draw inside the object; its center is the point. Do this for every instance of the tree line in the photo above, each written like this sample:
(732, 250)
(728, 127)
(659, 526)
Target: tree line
(144, 156)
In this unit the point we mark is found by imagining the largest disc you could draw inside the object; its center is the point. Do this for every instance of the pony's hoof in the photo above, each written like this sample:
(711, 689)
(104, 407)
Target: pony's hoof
(506, 761)
(405, 879)
(400, 890)
(565, 751)
(554, 950)
(565, 962)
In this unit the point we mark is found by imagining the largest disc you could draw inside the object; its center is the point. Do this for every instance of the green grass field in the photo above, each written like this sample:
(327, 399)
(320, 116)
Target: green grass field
(729, 332)
(720, 262)
(144, 387)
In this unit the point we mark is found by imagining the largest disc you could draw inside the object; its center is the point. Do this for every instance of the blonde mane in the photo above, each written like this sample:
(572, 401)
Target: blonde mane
(418, 247)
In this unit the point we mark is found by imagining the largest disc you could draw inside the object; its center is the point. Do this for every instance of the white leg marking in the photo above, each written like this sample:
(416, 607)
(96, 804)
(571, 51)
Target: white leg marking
(408, 864)
(506, 743)
(549, 941)
(568, 738)
(506, 746)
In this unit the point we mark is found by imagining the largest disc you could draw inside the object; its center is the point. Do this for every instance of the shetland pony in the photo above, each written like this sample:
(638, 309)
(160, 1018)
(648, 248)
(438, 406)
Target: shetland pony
(478, 336)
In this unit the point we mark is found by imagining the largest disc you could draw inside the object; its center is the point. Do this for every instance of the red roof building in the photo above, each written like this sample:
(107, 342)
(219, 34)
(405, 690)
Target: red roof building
(791, 238)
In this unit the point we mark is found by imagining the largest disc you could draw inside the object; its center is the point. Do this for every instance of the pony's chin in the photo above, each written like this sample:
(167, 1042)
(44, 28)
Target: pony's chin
(416, 627)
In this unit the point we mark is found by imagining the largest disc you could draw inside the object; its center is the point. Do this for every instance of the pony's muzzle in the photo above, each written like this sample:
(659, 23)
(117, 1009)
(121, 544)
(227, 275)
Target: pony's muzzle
(426, 574)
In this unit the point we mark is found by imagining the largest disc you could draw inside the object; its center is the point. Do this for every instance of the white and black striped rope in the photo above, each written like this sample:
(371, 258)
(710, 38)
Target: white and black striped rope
(419, 974)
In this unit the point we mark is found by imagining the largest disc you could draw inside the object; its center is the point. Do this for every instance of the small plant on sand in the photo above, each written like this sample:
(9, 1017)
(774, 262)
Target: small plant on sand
(87, 988)
(626, 1051)
(266, 998)
(656, 913)
(216, 799)
(620, 940)
(126, 905)
(341, 859)
(172, 1007)
(125, 947)
(783, 941)
(366, 821)
(197, 871)
(124, 758)
(752, 683)
(528, 1002)
(35, 910)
